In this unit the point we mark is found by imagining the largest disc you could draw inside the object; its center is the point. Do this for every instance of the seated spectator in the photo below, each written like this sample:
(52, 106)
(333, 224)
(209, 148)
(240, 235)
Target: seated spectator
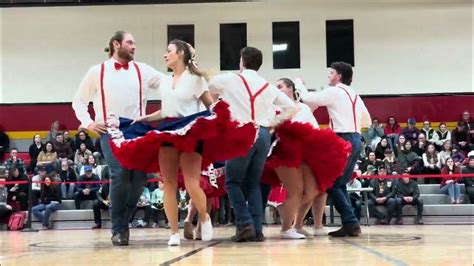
(408, 193)
(48, 157)
(469, 181)
(461, 137)
(67, 174)
(411, 132)
(431, 164)
(49, 203)
(144, 204)
(36, 185)
(371, 160)
(4, 143)
(389, 162)
(86, 191)
(356, 201)
(81, 154)
(420, 146)
(62, 148)
(408, 160)
(366, 149)
(380, 149)
(157, 205)
(430, 134)
(5, 209)
(83, 137)
(444, 135)
(469, 123)
(458, 156)
(35, 148)
(400, 145)
(17, 193)
(102, 202)
(371, 171)
(446, 152)
(70, 142)
(14, 161)
(92, 162)
(450, 185)
(53, 131)
(376, 132)
(382, 195)
(392, 132)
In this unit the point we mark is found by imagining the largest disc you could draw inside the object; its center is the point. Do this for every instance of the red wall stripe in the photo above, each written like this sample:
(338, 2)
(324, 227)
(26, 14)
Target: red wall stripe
(32, 117)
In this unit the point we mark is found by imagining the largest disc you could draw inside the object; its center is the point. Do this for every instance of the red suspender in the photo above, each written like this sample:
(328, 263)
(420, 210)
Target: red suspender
(140, 88)
(252, 96)
(102, 91)
(353, 107)
(102, 70)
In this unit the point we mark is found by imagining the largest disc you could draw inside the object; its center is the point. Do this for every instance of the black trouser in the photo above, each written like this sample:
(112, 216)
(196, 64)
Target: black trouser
(22, 199)
(417, 202)
(147, 210)
(356, 204)
(390, 203)
(225, 210)
(97, 206)
(4, 212)
(79, 197)
(158, 215)
(470, 193)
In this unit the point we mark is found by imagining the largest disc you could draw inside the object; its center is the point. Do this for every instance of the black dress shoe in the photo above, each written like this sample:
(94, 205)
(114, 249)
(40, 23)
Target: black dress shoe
(121, 239)
(347, 230)
(245, 234)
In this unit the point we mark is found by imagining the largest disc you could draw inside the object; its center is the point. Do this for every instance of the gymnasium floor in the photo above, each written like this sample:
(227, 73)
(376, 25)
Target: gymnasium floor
(379, 245)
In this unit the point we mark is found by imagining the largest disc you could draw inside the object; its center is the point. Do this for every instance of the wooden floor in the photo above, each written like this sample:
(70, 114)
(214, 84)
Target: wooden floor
(379, 245)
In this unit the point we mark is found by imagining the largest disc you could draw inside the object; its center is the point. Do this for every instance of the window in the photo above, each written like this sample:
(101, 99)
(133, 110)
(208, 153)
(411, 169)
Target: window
(286, 45)
(181, 32)
(339, 41)
(233, 37)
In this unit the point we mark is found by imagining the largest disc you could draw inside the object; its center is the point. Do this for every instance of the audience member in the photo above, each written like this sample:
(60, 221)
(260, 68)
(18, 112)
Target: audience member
(17, 193)
(450, 185)
(392, 132)
(49, 203)
(15, 161)
(468, 181)
(34, 150)
(382, 195)
(411, 132)
(408, 193)
(431, 164)
(86, 191)
(376, 132)
(67, 175)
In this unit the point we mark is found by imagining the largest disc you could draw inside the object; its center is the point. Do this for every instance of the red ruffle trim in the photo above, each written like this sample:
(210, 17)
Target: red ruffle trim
(321, 149)
(222, 138)
(277, 195)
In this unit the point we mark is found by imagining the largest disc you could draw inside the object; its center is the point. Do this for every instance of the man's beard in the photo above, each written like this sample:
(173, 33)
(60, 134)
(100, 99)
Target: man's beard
(122, 53)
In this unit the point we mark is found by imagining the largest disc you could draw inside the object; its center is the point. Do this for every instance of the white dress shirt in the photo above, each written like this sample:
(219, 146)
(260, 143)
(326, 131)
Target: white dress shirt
(121, 90)
(184, 98)
(231, 89)
(339, 101)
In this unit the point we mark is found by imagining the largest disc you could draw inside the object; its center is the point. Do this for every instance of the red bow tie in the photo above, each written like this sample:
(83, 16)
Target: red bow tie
(118, 66)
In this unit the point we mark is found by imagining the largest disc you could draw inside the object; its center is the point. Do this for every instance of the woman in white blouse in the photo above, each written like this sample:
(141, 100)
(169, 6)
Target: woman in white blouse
(183, 93)
(299, 146)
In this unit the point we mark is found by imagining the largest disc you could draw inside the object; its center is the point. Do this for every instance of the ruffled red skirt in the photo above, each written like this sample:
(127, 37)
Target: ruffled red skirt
(322, 150)
(277, 196)
(222, 139)
(212, 182)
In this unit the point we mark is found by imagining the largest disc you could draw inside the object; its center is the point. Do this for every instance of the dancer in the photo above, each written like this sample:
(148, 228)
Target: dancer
(117, 86)
(187, 140)
(251, 99)
(306, 161)
(348, 115)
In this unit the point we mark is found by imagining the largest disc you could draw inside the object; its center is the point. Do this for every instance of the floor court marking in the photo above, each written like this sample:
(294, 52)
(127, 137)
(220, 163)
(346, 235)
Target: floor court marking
(385, 257)
(188, 254)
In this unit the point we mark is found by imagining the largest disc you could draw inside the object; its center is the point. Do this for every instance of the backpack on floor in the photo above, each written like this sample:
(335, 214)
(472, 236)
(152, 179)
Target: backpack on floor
(16, 221)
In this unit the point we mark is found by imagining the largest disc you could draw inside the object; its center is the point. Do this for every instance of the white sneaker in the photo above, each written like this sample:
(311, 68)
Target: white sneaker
(303, 232)
(320, 232)
(206, 230)
(291, 234)
(174, 240)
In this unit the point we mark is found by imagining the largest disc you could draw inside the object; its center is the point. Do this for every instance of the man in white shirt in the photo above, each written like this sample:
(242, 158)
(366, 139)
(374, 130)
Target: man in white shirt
(251, 99)
(348, 115)
(118, 86)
